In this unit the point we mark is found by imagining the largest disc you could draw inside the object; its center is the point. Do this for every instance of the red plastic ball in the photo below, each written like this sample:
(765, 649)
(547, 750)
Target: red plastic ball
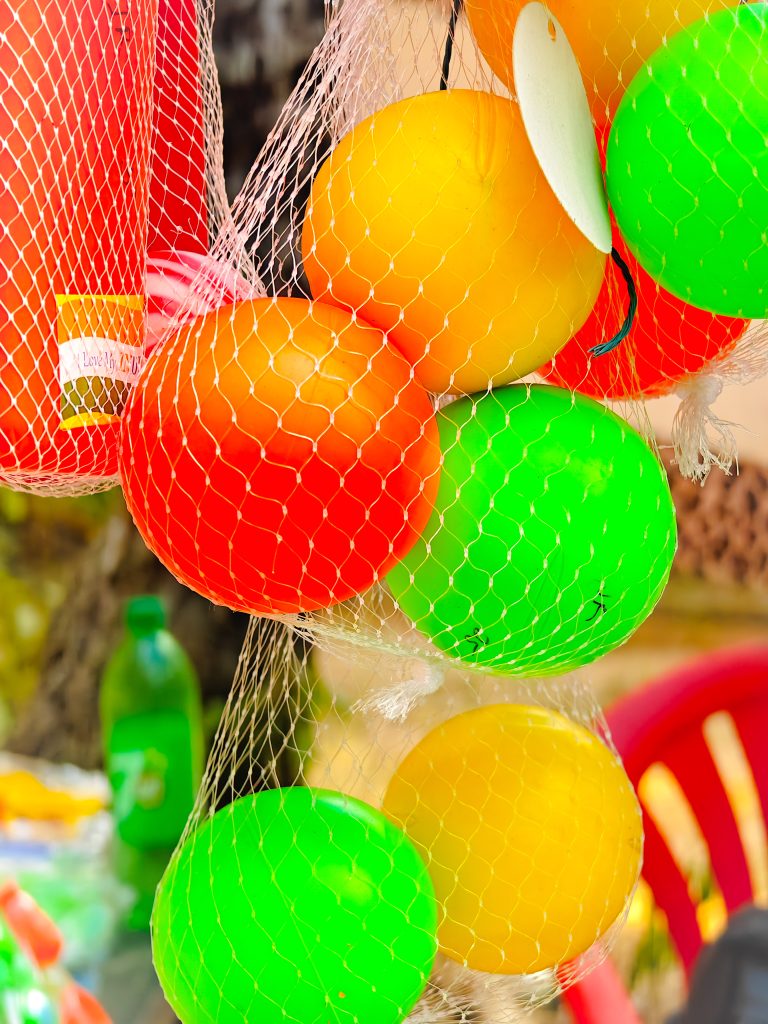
(669, 339)
(278, 456)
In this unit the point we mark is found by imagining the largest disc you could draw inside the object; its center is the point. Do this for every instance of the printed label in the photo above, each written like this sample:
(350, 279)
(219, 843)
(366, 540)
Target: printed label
(100, 355)
(151, 771)
(140, 781)
(119, 16)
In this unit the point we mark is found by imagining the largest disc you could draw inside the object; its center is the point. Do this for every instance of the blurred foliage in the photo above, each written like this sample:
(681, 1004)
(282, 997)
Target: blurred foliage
(655, 952)
(40, 538)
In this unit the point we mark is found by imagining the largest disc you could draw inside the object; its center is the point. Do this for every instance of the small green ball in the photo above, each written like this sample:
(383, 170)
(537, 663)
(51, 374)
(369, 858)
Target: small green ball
(295, 906)
(687, 163)
(551, 539)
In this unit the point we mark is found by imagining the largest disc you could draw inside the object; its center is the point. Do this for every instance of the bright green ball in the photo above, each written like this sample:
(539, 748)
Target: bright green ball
(551, 539)
(295, 906)
(687, 163)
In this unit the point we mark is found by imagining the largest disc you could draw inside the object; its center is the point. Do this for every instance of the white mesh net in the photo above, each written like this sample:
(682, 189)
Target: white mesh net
(300, 903)
(380, 412)
(111, 145)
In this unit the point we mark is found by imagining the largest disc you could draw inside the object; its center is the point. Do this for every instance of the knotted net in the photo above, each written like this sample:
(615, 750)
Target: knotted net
(393, 406)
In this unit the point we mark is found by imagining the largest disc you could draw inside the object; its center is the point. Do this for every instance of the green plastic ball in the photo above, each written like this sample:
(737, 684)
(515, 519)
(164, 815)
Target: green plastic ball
(687, 163)
(295, 906)
(552, 537)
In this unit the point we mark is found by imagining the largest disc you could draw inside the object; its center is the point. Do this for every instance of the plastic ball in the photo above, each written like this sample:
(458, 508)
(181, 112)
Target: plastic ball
(610, 42)
(669, 341)
(552, 535)
(277, 456)
(687, 166)
(531, 830)
(294, 905)
(186, 284)
(433, 220)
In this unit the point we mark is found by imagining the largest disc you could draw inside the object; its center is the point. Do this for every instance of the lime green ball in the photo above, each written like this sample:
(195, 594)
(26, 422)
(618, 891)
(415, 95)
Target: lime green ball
(687, 163)
(295, 906)
(551, 539)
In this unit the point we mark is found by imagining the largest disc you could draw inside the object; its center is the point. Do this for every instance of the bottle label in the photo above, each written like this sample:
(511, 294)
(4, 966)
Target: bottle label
(100, 355)
(152, 774)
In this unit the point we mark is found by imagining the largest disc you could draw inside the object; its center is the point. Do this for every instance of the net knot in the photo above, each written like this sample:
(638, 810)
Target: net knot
(395, 702)
(700, 438)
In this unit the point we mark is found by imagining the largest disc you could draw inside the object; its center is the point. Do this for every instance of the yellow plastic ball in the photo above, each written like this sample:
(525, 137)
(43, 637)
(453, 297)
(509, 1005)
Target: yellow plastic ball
(433, 221)
(611, 40)
(531, 830)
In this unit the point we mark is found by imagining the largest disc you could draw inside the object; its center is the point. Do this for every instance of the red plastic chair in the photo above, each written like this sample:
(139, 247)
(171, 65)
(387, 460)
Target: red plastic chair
(663, 724)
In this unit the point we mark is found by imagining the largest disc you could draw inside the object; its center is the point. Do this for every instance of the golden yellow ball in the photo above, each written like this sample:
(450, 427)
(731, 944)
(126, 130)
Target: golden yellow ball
(434, 222)
(531, 830)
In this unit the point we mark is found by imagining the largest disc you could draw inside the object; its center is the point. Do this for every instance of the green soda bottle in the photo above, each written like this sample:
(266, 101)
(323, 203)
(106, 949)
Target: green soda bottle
(151, 721)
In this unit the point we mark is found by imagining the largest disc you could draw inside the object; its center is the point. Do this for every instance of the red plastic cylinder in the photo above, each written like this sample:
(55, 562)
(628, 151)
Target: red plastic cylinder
(75, 113)
(178, 212)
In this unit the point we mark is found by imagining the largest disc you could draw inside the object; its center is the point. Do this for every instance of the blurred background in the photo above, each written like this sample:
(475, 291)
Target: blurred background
(68, 565)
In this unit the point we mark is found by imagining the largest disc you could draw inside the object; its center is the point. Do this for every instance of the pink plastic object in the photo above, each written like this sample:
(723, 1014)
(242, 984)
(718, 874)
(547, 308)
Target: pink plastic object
(31, 927)
(177, 281)
(663, 723)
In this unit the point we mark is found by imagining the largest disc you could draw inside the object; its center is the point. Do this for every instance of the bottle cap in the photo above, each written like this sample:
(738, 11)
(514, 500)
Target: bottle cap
(145, 614)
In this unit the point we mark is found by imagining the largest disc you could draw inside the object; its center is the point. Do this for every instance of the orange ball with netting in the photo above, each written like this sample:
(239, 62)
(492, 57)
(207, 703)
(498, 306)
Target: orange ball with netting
(278, 456)
(611, 41)
(434, 221)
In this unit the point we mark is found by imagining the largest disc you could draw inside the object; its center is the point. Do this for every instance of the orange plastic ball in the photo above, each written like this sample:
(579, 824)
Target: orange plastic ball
(278, 457)
(434, 221)
(611, 40)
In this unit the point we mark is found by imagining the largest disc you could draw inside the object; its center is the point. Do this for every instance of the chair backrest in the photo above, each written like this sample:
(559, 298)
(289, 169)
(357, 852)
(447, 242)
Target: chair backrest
(664, 723)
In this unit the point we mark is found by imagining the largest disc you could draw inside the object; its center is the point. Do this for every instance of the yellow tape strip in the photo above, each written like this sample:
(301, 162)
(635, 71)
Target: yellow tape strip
(130, 301)
(89, 419)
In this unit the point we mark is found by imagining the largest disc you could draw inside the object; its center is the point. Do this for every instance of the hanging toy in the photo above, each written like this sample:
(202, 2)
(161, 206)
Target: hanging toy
(75, 108)
(312, 892)
(433, 221)
(552, 535)
(531, 830)
(277, 456)
(687, 164)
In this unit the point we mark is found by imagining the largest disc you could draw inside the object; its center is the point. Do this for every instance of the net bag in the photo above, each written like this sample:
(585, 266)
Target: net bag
(328, 842)
(414, 448)
(188, 204)
(393, 408)
(76, 86)
(111, 137)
